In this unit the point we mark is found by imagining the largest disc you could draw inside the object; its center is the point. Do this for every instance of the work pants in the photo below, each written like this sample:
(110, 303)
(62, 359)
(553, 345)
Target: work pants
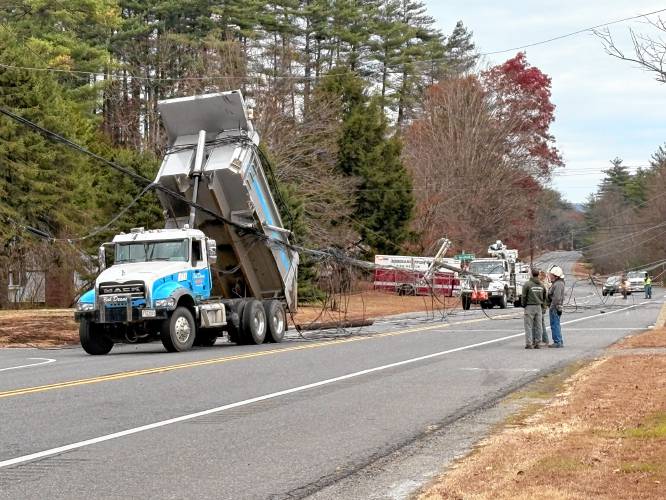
(648, 291)
(555, 330)
(533, 318)
(544, 332)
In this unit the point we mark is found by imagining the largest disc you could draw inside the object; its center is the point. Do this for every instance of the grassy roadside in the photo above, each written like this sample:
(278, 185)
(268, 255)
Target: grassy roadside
(597, 430)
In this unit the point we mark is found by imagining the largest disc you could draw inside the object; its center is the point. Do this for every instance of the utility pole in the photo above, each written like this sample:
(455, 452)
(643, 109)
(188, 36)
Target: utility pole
(531, 250)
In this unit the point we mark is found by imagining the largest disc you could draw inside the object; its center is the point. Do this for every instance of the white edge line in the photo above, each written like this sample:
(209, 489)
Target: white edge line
(45, 361)
(183, 418)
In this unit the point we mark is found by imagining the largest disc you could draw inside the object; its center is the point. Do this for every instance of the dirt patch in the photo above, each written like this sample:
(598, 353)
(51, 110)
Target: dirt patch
(38, 328)
(52, 327)
(372, 305)
(602, 436)
(653, 338)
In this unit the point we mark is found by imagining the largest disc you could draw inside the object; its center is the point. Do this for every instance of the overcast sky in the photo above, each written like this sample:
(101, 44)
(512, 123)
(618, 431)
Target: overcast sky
(605, 107)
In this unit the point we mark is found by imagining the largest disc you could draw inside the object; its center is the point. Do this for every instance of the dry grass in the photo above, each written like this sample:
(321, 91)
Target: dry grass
(582, 269)
(51, 327)
(653, 338)
(372, 305)
(38, 327)
(602, 436)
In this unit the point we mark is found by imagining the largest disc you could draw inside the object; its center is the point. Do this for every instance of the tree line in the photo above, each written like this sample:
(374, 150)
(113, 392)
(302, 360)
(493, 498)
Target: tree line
(381, 133)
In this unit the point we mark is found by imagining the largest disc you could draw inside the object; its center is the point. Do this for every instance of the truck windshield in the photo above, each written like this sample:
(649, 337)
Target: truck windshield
(486, 267)
(636, 274)
(143, 251)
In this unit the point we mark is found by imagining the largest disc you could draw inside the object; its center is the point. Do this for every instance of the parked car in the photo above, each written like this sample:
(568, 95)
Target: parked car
(612, 285)
(636, 281)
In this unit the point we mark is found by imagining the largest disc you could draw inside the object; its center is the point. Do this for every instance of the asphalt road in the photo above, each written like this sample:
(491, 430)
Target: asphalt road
(305, 417)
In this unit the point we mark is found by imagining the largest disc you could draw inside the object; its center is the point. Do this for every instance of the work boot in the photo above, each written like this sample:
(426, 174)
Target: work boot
(529, 347)
(555, 345)
(536, 346)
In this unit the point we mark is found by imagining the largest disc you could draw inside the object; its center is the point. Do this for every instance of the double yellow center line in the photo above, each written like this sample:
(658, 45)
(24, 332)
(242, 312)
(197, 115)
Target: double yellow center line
(226, 359)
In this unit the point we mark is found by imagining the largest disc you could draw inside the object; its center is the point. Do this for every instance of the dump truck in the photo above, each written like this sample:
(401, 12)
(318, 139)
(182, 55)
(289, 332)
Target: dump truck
(228, 268)
(494, 281)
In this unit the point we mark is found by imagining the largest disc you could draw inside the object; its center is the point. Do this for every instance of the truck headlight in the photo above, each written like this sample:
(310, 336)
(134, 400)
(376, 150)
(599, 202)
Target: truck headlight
(85, 306)
(169, 303)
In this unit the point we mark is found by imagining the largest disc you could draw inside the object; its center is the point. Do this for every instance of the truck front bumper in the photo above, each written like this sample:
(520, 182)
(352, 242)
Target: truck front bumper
(122, 315)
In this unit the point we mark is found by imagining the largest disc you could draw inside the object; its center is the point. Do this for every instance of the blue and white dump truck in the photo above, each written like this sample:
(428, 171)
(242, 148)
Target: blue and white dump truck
(199, 277)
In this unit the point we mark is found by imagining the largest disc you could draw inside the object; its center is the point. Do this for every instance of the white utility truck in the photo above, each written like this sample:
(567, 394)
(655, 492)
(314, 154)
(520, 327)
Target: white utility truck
(494, 281)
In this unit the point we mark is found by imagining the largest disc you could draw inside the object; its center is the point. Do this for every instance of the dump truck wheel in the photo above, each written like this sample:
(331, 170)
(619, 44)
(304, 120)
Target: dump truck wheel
(254, 323)
(276, 319)
(466, 302)
(92, 340)
(179, 331)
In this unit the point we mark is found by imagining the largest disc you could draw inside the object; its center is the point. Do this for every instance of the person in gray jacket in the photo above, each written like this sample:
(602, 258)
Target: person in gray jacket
(533, 300)
(556, 299)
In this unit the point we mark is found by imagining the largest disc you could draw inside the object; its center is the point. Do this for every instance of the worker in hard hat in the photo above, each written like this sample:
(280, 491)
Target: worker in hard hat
(648, 286)
(556, 299)
(624, 286)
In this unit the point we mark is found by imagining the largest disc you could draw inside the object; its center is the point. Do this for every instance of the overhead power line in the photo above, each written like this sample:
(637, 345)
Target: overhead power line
(574, 33)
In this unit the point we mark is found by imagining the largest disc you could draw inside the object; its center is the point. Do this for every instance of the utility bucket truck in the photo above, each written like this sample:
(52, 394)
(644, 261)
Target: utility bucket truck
(496, 280)
(228, 268)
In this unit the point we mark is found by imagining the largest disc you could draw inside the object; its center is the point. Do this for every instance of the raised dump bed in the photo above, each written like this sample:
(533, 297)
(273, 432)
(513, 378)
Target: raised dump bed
(233, 184)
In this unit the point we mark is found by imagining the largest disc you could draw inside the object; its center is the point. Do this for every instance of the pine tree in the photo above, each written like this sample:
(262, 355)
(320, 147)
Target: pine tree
(384, 200)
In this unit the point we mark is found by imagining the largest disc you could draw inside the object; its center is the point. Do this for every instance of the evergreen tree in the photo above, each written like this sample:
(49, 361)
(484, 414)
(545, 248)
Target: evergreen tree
(384, 201)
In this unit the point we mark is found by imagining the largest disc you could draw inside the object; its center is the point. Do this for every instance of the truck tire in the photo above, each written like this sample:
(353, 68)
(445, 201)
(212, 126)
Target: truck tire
(604, 292)
(466, 302)
(236, 333)
(179, 330)
(92, 340)
(254, 323)
(206, 337)
(276, 321)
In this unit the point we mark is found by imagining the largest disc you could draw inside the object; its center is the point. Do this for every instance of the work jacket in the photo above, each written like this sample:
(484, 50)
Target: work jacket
(556, 294)
(534, 293)
(648, 281)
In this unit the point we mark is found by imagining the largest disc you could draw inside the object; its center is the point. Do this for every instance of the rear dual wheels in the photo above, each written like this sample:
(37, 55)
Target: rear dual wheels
(258, 322)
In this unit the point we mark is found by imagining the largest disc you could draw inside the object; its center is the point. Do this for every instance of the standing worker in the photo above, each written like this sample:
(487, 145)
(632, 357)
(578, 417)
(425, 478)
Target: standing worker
(648, 286)
(556, 299)
(546, 285)
(533, 300)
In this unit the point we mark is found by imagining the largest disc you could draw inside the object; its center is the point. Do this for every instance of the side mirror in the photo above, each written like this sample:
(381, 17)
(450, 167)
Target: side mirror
(101, 258)
(211, 251)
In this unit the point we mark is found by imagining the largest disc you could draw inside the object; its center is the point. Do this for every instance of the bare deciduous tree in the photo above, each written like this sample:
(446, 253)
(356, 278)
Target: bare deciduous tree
(649, 50)
(468, 182)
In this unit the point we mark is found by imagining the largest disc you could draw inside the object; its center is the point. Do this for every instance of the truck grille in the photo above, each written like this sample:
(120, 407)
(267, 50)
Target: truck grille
(133, 288)
(115, 314)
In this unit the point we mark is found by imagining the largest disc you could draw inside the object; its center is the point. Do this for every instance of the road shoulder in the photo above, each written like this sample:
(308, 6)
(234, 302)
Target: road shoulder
(602, 434)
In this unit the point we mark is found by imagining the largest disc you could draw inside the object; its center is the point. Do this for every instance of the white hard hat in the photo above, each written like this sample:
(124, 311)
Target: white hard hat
(556, 271)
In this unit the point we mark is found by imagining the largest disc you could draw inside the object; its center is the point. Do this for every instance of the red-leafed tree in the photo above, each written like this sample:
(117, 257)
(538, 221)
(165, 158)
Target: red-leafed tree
(521, 95)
